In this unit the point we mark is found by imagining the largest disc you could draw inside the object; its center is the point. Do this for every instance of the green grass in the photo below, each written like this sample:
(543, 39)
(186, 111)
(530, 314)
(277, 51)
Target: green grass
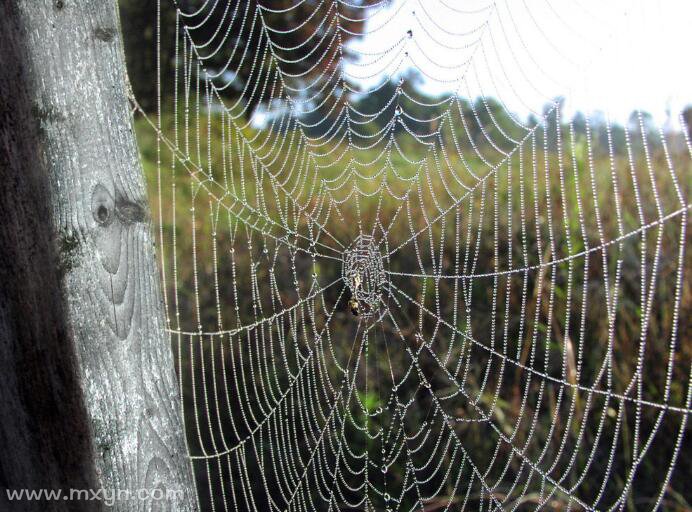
(551, 200)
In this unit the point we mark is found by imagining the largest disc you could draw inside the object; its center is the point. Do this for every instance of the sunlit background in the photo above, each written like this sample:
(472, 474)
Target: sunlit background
(608, 56)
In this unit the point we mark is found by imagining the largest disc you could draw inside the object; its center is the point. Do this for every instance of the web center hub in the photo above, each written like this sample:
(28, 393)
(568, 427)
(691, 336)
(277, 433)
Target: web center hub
(364, 274)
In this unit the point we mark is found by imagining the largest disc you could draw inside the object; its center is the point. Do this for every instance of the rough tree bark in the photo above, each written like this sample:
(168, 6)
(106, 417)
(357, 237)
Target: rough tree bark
(88, 395)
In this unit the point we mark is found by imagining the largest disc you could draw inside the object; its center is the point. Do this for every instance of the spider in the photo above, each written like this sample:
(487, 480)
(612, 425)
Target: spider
(354, 306)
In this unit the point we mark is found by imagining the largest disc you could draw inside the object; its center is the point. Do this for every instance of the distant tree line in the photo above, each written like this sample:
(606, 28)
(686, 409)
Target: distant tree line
(139, 21)
(410, 111)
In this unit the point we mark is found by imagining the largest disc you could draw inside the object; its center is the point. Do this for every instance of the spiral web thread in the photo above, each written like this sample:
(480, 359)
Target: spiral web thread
(482, 381)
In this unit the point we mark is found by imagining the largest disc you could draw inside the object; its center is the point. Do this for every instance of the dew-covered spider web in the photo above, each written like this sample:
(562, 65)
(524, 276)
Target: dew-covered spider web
(383, 299)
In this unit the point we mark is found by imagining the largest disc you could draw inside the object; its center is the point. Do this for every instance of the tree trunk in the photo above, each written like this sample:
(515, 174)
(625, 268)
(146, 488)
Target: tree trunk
(88, 394)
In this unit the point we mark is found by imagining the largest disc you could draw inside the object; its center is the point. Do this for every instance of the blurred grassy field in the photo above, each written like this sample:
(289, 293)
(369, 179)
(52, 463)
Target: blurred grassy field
(494, 211)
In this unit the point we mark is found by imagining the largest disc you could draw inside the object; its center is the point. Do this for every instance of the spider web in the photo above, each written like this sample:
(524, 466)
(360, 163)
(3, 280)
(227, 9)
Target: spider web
(518, 288)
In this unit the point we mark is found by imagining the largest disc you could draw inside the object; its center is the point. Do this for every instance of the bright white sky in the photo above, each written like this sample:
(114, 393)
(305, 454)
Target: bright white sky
(602, 55)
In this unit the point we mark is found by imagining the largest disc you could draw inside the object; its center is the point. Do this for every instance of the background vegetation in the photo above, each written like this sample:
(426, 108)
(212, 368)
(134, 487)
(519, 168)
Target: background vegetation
(590, 150)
